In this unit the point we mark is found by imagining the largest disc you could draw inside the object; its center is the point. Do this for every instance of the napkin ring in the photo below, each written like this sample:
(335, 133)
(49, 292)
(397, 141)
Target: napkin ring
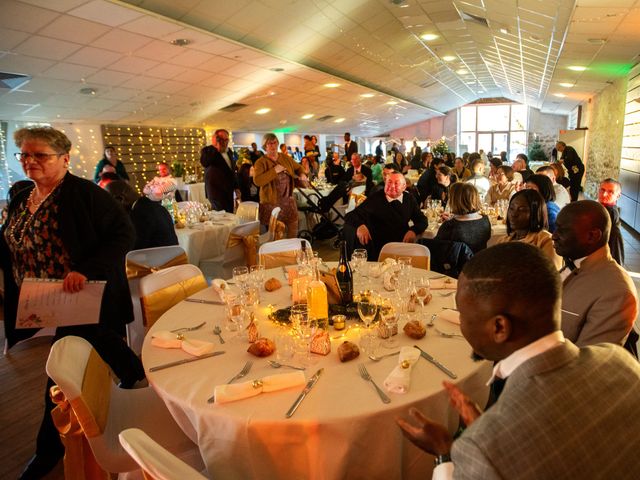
(180, 336)
(257, 384)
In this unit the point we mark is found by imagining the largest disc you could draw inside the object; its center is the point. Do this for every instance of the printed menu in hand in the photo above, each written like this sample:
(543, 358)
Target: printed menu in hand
(43, 303)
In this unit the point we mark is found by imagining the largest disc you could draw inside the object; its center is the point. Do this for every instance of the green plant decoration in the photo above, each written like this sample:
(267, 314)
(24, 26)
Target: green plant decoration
(440, 147)
(178, 169)
(536, 153)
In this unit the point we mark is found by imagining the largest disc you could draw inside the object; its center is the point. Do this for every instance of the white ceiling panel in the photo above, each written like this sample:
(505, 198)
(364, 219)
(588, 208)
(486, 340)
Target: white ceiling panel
(105, 12)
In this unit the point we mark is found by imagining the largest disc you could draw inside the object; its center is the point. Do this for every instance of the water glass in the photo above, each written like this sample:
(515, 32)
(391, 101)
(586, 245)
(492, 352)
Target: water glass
(256, 273)
(367, 308)
(369, 343)
(389, 320)
(240, 276)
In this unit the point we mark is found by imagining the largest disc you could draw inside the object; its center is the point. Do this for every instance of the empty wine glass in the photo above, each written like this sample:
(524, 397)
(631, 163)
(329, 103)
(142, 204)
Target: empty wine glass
(240, 276)
(389, 321)
(423, 289)
(304, 327)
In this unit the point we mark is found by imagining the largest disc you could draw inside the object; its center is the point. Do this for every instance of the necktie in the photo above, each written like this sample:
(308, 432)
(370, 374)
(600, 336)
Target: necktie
(495, 389)
(568, 263)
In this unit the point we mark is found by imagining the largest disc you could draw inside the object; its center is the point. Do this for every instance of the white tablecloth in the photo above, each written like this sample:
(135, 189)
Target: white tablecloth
(206, 241)
(341, 431)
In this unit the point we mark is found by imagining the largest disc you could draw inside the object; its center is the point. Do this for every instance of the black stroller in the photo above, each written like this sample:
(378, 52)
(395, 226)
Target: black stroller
(331, 219)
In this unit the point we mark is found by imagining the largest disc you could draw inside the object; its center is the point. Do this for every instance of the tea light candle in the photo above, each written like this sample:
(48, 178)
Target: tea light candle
(339, 322)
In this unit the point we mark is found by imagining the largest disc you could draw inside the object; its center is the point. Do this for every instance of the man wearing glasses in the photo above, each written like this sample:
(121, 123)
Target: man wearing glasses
(220, 172)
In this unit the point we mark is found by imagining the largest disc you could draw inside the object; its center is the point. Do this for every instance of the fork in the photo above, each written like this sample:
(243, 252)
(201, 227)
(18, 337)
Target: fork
(240, 374)
(189, 329)
(365, 376)
(447, 334)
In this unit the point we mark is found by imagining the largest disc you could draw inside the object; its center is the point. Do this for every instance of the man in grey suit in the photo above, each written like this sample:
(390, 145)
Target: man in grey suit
(565, 412)
(599, 299)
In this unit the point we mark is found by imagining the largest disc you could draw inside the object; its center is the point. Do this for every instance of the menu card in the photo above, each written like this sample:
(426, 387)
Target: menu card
(43, 303)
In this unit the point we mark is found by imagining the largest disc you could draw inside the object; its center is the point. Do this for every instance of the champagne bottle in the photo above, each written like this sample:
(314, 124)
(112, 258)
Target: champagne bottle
(344, 276)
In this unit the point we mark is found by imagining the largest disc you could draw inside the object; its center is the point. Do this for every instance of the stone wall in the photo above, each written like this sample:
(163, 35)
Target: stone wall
(604, 141)
(545, 127)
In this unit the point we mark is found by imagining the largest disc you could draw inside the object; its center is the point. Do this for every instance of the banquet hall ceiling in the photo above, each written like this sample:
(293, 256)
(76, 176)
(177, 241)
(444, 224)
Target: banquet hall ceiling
(281, 54)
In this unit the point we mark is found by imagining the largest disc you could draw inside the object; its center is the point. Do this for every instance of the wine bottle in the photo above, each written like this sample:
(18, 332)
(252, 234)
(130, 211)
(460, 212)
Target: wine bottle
(344, 276)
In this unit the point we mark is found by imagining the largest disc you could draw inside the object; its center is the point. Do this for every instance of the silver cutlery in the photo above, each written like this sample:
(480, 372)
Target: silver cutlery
(433, 317)
(448, 294)
(377, 359)
(275, 364)
(189, 329)
(218, 331)
(184, 360)
(209, 302)
(429, 358)
(365, 376)
(240, 374)
(437, 277)
(448, 334)
(307, 388)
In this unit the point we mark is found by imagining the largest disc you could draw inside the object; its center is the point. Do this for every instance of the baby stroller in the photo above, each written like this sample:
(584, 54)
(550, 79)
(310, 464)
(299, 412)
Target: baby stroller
(331, 219)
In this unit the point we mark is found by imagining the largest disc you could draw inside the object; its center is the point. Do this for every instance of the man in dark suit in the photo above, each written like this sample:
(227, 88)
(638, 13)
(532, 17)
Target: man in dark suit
(358, 173)
(384, 217)
(608, 195)
(350, 147)
(575, 168)
(334, 172)
(416, 156)
(563, 410)
(220, 172)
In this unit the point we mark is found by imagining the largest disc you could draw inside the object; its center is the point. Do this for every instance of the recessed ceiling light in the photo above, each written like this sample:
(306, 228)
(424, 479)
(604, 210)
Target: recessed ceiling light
(597, 41)
(404, 6)
(449, 58)
(307, 116)
(367, 95)
(560, 95)
(504, 30)
(577, 68)
(392, 102)
(339, 120)
(566, 85)
(277, 69)
(180, 42)
(332, 85)
(262, 111)
(88, 91)
(462, 71)
(429, 36)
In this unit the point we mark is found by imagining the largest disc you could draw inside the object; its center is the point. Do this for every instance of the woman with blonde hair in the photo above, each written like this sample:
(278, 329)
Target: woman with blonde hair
(275, 174)
(466, 224)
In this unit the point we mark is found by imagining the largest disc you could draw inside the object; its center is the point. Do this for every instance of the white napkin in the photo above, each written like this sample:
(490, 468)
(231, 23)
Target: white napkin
(443, 283)
(450, 316)
(237, 391)
(167, 339)
(399, 379)
(220, 287)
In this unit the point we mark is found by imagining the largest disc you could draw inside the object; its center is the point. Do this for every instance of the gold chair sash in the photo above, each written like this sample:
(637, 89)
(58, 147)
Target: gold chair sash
(278, 259)
(158, 302)
(276, 228)
(358, 198)
(250, 243)
(138, 270)
(416, 261)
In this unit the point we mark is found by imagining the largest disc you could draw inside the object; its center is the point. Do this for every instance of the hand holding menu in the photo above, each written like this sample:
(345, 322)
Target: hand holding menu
(43, 303)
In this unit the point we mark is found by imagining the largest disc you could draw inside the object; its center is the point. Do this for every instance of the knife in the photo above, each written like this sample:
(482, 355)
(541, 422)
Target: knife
(312, 381)
(210, 302)
(436, 362)
(183, 361)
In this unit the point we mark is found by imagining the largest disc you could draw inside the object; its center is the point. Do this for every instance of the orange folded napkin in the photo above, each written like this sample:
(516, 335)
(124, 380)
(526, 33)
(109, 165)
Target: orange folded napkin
(399, 379)
(272, 383)
(167, 339)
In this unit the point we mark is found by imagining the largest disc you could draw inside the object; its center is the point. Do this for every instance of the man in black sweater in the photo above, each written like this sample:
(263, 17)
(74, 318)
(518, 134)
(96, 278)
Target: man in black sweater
(384, 217)
(575, 168)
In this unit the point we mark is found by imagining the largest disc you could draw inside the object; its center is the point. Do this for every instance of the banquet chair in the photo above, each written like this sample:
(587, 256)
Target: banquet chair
(419, 253)
(447, 256)
(273, 231)
(161, 290)
(356, 197)
(281, 252)
(241, 250)
(139, 264)
(247, 211)
(156, 462)
(91, 411)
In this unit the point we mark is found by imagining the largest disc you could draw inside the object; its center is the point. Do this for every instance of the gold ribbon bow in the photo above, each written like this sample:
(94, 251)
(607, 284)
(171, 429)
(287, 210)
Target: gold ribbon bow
(276, 228)
(139, 270)
(358, 198)
(250, 243)
(278, 259)
(158, 302)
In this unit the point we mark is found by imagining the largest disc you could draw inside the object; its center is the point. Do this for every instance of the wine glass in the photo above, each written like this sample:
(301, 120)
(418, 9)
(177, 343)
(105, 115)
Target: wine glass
(358, 259)
(367, 308)
(240, 276)
(235, 312)
(389, 321)
(303, 326)
(422, 289)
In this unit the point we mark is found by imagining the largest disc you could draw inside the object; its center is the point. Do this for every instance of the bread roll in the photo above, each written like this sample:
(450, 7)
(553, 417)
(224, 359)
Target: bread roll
(272, 284)
(348, 351)
(415, 329)
(263, 347)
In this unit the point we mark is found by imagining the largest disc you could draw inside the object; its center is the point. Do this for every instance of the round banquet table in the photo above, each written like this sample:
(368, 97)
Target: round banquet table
(341, 430)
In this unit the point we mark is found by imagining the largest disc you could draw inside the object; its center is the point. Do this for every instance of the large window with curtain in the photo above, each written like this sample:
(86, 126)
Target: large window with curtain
(493, 128)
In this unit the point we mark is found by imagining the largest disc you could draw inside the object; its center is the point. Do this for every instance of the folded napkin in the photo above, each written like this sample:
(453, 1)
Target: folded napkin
(450, 316)
(220, 287)
(399, 379)
(237, 391)
(167, 339)
(443, 283)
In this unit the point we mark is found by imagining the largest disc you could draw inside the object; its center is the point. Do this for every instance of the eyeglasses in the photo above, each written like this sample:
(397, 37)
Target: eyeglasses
(38, 156)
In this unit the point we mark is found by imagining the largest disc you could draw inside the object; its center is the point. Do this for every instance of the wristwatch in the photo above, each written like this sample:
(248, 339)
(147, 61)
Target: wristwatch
(441, 459)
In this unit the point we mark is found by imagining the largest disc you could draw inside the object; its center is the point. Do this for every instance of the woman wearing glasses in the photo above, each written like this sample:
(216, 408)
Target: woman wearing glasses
(64, 227)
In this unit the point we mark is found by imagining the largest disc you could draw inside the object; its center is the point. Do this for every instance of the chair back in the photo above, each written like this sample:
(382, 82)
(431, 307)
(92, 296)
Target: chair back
(447, 257)
(281, 252)
(419, 253)
(156, 462)
(356, 197)
(242, 246)
(247, 211)
(276, 227)
(163, 289)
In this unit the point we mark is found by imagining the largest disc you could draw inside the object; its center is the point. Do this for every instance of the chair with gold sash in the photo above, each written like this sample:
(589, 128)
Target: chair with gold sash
(281, 252)
(242, 249)
(163, 289)
(91, 411)
(356, 197)
(139, 264)
(155, 461)
(276, 228)
(419, 253)
(247, 211)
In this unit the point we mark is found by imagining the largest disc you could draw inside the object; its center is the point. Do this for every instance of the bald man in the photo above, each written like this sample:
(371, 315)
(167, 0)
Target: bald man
(599, 299)
(564, 410)
(608, 195)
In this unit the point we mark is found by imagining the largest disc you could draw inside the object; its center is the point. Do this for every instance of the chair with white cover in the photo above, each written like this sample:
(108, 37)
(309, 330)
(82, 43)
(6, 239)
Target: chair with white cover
(272, 233)
(139, 264)
(247, 211)
(156, 462)
(281, 252)
(163, 289)
(356, 196)
(92, 410)
(419, 253)
(241, 250)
